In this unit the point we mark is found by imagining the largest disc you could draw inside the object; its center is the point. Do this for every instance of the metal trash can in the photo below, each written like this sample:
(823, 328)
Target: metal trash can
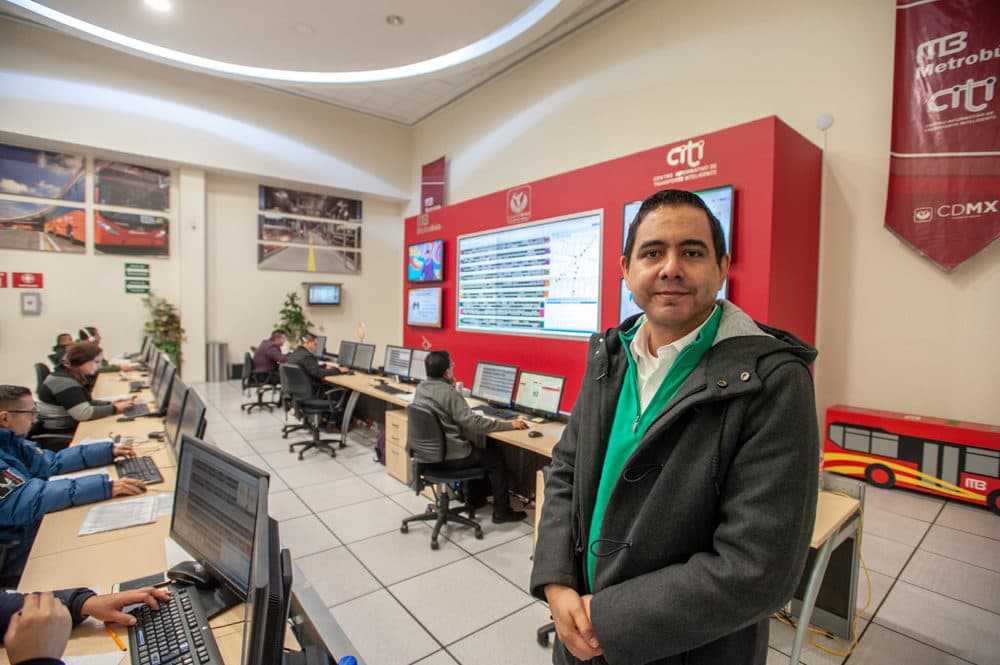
(217, 359)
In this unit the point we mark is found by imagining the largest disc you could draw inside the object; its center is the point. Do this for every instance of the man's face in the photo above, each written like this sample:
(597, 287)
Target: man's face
(280, 340)
(19, 418)
(65, 340)
(310, 345)
(673, 274)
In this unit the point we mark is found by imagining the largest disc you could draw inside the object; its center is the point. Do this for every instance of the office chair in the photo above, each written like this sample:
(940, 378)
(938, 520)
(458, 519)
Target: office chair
(287, 405)
(54, 440)
(8, 581)
(313, 411)
(41, 373)
(256, 380)
(426, 445)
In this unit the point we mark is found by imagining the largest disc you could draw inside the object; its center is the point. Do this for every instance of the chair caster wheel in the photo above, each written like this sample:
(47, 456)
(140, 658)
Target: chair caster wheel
(543, 640)
(434, 545)
(479, 534)
(301, 457)
(404, 529)
(430, 509)
(291, 449)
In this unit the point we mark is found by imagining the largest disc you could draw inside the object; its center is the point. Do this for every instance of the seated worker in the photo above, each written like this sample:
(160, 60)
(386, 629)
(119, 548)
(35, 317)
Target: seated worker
(457, 420)
(92, 334)
(63, 340)
(305, 357)
(268, 356)
(25, 493)
(64, 397)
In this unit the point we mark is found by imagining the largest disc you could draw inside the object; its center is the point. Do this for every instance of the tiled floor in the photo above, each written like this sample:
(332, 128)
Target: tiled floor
(934, 565)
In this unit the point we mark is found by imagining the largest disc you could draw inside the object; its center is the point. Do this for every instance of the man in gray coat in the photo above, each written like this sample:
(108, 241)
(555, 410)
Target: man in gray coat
(679, 508)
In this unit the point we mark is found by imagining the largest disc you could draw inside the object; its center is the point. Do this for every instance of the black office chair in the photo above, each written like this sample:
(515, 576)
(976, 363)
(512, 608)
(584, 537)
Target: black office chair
(8, 581)
(41, 373)
(314, 411)
(426, 445)
(259, 381)
(48, 439)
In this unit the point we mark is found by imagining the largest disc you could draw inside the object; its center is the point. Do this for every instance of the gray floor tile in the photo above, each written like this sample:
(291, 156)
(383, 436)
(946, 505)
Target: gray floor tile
(961, 581)
(512, 560)
(438, 658)
(782, 636)
(880, 587)
(382, 631)
(493, 534)
(337, 576)
(894, 527)
(510, 640)
(950, 625)
(881, 646)
(972, 519)
(964, 546)
(883, 555)
(281, 459)
(362, 464)
(480, 597)
(923, 507)
(363, 520)
(337, 493)
(385, 483)
(412, 502)
(306, 535)
(394, 556)
(285, 505)
(312, 472)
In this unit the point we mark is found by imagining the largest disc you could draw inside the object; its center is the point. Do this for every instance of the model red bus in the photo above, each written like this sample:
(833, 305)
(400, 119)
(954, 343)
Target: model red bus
(958, 460)
(71, 225)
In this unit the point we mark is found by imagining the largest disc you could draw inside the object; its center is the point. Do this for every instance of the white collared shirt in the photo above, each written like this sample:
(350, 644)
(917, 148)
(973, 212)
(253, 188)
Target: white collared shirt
(652, 370)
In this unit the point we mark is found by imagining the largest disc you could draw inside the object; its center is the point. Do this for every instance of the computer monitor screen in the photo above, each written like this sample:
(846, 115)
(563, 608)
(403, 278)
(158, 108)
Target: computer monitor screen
(159, 364)
(363, 356)
(192, 420)
(626, 303)
(267, 598)
(217, 501)
(161, 392)
(323, 294)
(423, 307)
(397, 361)
(418, 370)
(345, 356)
(425, 261)
(494, 383)
(542, 278)
(320, 346)
(175, 406)
(539, 393)
(148, 352)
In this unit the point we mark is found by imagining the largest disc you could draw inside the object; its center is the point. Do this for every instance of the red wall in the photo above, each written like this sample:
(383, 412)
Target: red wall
(775, 239)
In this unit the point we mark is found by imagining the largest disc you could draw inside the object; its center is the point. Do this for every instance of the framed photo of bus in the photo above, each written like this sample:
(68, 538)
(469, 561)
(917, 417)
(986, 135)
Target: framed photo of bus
(131, 209)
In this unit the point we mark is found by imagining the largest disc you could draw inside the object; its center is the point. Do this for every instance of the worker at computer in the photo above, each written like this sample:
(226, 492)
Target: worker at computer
(305, 356)
(458, 421)
(268, 356)
(63, 340)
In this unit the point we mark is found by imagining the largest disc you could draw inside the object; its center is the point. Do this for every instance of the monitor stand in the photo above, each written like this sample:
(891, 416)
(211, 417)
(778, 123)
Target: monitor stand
(216, 600)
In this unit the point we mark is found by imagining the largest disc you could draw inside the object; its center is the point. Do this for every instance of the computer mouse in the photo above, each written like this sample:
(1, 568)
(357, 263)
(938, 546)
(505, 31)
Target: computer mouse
(192, 572)
(534, 434)
(125, 419)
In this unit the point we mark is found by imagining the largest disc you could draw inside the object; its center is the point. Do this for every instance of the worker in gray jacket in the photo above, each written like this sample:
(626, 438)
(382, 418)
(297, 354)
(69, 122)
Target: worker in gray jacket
(681, 499)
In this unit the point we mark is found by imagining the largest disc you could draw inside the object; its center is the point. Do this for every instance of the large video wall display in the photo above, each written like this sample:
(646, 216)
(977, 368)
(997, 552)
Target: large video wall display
(44, 204)
(542, 278)
(308, 232)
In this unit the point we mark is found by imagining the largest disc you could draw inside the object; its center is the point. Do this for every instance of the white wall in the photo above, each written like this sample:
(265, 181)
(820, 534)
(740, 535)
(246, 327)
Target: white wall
(893, 331)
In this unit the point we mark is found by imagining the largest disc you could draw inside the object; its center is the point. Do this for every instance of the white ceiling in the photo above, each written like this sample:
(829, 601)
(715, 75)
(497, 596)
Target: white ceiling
(338, 36)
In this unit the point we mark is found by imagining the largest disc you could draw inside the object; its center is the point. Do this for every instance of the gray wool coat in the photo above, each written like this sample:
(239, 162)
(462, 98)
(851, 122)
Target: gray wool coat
(707, 529)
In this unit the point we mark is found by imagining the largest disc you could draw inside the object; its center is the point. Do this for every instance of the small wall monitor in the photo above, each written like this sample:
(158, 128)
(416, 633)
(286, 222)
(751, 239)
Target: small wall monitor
(418, 369)
(425, 261)
(322, 294)
(397, 361)
(363, 356)
(626, 304)
(539, 394)
(345, 356)
(494, 383)
(423, 307)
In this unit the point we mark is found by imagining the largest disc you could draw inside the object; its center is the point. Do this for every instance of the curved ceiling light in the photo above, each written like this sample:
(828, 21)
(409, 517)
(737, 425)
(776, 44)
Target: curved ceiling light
(538, 10)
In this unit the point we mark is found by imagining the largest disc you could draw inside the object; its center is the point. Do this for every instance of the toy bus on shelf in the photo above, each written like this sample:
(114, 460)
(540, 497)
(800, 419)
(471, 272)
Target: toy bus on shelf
(949, 458)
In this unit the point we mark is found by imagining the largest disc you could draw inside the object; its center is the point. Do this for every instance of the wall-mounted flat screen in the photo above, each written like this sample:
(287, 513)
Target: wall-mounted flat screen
(626, 304)
(542, 278)
(323, 294)
(423, 307)
(425, 261)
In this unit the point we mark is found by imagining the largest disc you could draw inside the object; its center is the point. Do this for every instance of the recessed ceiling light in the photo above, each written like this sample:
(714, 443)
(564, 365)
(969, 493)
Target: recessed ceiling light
(394, 20)
(159, 5)
(538, 10)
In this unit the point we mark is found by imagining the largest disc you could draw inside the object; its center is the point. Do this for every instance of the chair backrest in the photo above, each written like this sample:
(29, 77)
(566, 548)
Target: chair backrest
(247, 364)
(425, 440)
(295, 381)
(41, 372)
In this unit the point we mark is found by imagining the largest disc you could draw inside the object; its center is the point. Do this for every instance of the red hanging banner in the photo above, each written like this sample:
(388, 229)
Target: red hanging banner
(432, 181)
(944, 168)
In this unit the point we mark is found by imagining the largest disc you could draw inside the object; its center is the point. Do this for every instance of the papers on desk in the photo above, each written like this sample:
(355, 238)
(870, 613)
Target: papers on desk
(103, 439)
(405, 397)
(121, 515)
(164, 504)
(113, 658)
(114, 398)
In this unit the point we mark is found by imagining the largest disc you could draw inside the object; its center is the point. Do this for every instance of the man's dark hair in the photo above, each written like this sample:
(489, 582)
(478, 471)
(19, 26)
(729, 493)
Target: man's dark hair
(11, 395)
(276, 332)
(307, 337)
(60, 336)
(87, 333)
(674, 198)
(436, 364)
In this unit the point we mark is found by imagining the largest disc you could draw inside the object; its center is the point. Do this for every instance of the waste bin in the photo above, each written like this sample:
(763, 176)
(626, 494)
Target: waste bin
(217, 358)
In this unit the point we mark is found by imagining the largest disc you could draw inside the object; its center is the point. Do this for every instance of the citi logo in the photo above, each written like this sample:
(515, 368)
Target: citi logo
(690, 153)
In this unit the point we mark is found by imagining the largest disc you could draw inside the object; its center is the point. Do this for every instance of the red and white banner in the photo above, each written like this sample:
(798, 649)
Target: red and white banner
(432, 183)
(27, 280)
(944, 169)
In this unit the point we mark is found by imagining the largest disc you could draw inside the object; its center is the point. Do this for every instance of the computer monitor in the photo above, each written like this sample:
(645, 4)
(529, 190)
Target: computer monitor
(418, 370)
(494, 383)
(345, 356)
(161, 392)
(192, 420)
(539, 394)
(397, 361)
(156, 371)
(217, 503)
(267, 598)
(320, 346)
(172, 419)
(363, 357)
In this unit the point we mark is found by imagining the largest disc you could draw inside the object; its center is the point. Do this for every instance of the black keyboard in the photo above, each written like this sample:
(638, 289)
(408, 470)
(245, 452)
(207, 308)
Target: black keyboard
(392, 390)
(138, 411)
(503, 414)
(136, 386)
(176, 634)
(140, 468)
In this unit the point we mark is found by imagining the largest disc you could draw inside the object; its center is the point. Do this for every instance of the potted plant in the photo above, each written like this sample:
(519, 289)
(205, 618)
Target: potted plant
(292, 319)
(164, 326)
